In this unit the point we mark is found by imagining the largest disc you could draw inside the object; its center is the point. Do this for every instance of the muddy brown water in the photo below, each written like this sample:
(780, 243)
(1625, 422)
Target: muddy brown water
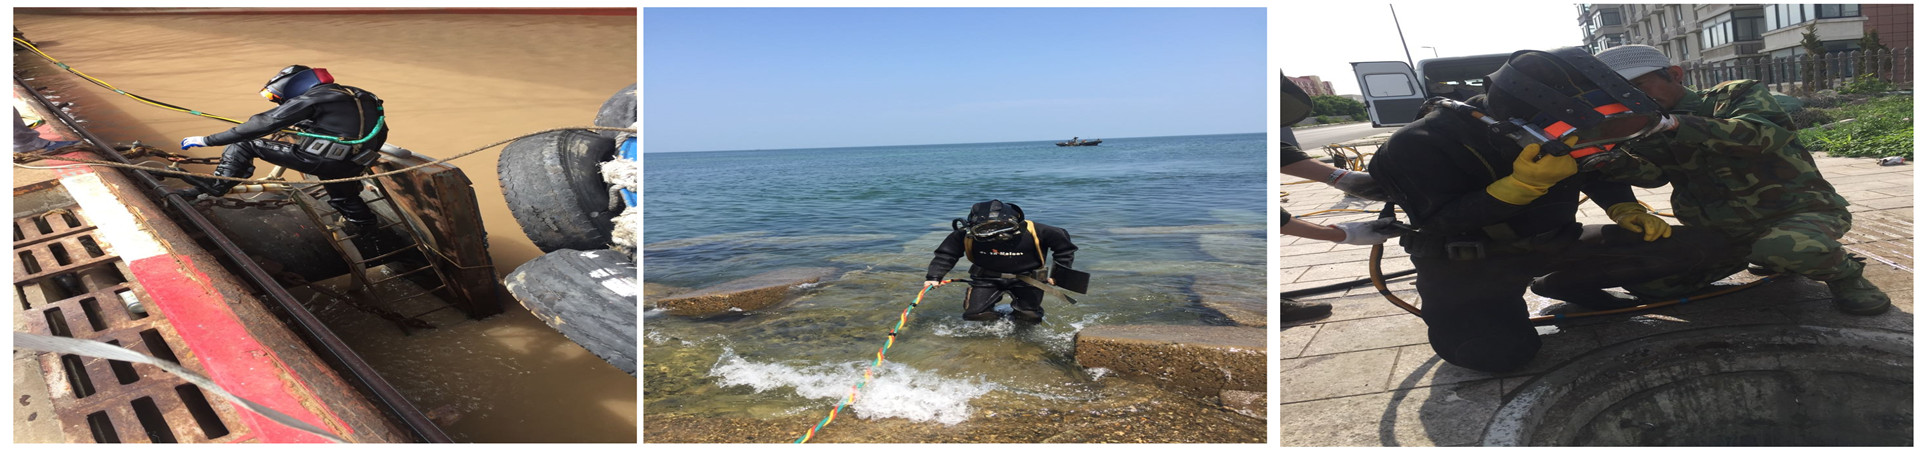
(452, 83)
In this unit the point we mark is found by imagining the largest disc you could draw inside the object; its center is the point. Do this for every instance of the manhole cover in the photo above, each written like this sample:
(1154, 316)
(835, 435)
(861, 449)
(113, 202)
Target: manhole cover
(1770, 385)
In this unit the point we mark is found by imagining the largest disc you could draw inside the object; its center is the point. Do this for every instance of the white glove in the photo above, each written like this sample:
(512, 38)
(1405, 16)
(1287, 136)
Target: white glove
(1667, 123)
(191, 142)
(1358, 184)
(1369, 232)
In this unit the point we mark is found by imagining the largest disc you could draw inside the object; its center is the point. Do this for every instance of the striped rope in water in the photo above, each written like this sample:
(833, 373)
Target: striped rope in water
(878, 359)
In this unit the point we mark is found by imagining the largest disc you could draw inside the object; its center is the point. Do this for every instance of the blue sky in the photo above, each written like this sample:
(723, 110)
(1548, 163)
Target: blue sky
(775, 78)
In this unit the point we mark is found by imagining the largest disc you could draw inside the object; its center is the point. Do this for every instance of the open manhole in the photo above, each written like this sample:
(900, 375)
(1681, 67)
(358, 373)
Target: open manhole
(1775, 385)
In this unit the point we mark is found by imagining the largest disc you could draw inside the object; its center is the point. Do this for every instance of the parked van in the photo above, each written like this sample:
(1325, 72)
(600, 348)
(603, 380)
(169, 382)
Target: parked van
(1393, 97)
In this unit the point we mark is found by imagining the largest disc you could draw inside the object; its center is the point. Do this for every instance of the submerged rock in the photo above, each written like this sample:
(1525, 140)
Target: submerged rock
(655, 291)
(1193, 360)
(1241, 296)
(746, 294)
(1235, 248)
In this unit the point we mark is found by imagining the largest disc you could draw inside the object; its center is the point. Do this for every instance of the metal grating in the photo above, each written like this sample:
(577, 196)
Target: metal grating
(70, 283)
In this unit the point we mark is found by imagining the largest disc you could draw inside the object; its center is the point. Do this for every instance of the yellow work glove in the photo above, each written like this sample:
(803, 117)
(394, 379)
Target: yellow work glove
(1531, 178)
(1635, 218)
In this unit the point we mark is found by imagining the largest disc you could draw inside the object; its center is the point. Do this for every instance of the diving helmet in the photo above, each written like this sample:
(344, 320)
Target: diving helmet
(1551, 96)
(293, 81)
(992, 220)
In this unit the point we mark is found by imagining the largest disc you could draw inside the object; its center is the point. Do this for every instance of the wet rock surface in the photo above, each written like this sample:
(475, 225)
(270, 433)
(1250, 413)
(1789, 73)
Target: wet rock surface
(746, 294)
(1193, 360)
(1253, 404)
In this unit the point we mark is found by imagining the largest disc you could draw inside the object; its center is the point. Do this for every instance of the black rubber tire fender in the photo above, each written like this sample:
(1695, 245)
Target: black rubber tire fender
(621, 110)
(552, 185)
(572, 291)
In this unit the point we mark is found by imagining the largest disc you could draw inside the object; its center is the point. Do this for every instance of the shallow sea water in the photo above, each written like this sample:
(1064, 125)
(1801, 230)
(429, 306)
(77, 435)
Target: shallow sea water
(1152, 217)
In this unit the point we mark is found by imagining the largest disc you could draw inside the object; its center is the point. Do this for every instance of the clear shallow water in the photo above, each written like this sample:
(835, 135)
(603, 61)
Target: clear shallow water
(1149, 214)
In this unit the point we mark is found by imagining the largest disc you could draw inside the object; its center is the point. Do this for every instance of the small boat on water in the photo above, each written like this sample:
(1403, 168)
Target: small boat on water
(1076, 142)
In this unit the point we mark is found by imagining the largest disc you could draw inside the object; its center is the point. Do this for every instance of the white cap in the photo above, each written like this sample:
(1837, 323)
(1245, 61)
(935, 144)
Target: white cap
(1632, 61)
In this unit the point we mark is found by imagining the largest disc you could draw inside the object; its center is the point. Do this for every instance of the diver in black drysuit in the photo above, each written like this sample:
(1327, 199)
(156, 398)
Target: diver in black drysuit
(309, 100)
(1001, 250)
(1439, 170)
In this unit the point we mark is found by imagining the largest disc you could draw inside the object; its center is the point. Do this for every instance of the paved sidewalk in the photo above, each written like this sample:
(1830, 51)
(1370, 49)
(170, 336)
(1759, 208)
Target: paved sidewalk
(1366, 377)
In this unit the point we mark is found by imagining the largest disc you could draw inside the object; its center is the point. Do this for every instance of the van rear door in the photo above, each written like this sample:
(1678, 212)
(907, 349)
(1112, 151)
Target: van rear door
(1393, 93)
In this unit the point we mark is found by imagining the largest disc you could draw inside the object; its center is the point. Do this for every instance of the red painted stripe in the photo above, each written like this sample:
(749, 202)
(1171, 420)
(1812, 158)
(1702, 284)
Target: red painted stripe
(226, 350)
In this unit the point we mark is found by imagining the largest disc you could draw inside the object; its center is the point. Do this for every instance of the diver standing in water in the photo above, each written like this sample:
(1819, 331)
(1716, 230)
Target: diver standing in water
(1004, 248)
(345, 125)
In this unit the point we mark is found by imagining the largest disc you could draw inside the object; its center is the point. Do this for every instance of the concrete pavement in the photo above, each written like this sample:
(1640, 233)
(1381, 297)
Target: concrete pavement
(1366, 377)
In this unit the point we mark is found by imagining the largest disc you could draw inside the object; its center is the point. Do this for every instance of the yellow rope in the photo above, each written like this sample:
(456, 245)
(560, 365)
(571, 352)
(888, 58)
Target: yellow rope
(104, 84)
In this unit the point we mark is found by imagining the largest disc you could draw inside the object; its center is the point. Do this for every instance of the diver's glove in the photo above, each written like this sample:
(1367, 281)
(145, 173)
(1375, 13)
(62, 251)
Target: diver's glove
(1531, 178)
(1667, 123)
(1369, 232)
(196, 141)
(1359, 184)
(1635, 218)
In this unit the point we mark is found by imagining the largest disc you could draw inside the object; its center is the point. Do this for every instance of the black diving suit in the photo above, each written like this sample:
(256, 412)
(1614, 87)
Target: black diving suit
(1476, 255)
(326, 109)
(997, 263)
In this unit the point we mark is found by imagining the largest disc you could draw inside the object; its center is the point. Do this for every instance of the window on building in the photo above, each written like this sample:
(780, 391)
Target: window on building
(1747, 24)
(1610, 17)
(1837, 11)
(1717, 31)
(1782, 16)
(1743, 25)
(1682, 43)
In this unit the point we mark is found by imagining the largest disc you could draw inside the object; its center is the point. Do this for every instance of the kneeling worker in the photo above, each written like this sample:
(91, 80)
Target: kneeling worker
(1494, 207)
(1003, 247)
(1738, 168)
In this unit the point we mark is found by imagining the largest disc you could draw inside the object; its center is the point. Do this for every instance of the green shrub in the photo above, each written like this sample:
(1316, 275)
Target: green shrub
(1866, 84)
(1880, 127)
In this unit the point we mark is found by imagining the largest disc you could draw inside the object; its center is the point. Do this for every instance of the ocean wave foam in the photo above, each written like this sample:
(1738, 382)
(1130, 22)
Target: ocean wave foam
(896, 390)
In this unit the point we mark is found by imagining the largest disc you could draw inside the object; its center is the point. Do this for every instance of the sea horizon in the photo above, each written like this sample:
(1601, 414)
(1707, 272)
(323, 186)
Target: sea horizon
(644, 151)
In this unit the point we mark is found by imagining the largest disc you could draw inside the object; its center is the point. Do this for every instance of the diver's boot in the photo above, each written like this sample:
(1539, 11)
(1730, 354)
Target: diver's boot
(232, 165)
(1024, 316)
(1293, 311)
(1591, 299)
(1856, 295)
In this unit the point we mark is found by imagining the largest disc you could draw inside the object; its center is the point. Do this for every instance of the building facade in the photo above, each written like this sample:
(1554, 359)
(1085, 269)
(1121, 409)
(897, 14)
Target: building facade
(1313, 85)
(1725, 32)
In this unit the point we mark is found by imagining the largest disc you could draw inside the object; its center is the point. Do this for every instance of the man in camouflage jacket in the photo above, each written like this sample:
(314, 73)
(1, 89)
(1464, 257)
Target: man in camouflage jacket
(1738, 168)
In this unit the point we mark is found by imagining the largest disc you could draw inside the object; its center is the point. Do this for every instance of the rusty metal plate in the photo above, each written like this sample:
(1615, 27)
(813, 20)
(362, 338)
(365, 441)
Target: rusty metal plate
(69, 284)
(441, 197)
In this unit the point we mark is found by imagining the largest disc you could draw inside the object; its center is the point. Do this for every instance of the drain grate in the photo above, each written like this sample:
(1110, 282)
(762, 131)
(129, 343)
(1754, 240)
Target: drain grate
(70, 284)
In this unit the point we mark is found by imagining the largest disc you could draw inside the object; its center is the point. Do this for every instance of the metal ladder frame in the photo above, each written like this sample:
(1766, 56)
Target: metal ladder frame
(308, 197)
